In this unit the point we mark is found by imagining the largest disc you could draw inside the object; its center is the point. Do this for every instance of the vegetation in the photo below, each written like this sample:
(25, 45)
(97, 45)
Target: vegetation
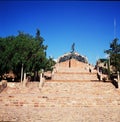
(105, 65)
(114, 54)
(23, 50)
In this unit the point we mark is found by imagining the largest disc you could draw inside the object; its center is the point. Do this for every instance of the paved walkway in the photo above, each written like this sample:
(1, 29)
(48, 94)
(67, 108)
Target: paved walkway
(61, 102)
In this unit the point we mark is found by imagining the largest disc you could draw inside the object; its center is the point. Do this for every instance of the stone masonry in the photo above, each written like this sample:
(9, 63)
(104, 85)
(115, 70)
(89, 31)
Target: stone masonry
(78, 71)
(60, 102)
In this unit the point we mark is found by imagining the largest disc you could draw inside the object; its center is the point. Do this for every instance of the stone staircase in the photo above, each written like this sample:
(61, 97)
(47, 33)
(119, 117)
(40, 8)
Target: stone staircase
(68, 97)
(61, 102)
(67, 94)
(74, 74)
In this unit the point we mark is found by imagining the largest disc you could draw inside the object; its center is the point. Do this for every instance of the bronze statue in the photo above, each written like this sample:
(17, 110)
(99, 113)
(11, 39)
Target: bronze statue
(73, 47)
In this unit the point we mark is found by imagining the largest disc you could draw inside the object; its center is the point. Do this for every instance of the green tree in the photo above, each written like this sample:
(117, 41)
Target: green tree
(6, 52)
(50, 63)
(40, 55)
(114, 54)
(22, 49)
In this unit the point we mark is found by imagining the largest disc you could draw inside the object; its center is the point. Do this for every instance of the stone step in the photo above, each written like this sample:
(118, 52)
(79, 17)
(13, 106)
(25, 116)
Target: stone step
(74, 76)
(79, 70)
(71, 80)
(82, 73)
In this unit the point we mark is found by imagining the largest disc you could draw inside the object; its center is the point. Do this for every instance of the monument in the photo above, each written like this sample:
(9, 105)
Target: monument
(72, 59)
(73, 66)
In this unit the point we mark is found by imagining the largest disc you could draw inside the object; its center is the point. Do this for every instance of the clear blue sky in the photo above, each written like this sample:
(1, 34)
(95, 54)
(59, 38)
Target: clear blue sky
(90, 25)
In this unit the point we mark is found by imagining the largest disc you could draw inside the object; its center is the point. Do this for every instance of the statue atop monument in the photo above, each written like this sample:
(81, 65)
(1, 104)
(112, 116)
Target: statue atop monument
(73, 47)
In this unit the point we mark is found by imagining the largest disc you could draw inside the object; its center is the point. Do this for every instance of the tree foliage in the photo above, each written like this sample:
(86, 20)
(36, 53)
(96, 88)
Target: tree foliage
(114, 54)
(25, 50)
(50, 63)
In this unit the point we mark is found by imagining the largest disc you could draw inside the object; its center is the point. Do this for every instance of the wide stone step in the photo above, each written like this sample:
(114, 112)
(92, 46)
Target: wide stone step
(70, 80)
(76, 70)
(74, 76)
(82, 73)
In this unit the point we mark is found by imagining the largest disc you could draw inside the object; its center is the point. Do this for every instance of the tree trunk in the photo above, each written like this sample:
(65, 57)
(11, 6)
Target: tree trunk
(35, 75)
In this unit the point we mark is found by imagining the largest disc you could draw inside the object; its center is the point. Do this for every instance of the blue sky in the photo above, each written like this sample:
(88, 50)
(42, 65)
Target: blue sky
(90, 25)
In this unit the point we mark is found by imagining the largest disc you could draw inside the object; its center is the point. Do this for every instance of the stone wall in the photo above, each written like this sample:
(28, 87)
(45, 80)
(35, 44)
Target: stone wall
(73, 64)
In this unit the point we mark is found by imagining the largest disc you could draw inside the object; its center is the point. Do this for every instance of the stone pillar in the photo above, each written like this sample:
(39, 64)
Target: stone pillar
(3, 85)
(25, 81)
(22, 73)
(24, 76)
(52, 75)
(118, 79)
(100, 75)
(41, 80)
(118, 76)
